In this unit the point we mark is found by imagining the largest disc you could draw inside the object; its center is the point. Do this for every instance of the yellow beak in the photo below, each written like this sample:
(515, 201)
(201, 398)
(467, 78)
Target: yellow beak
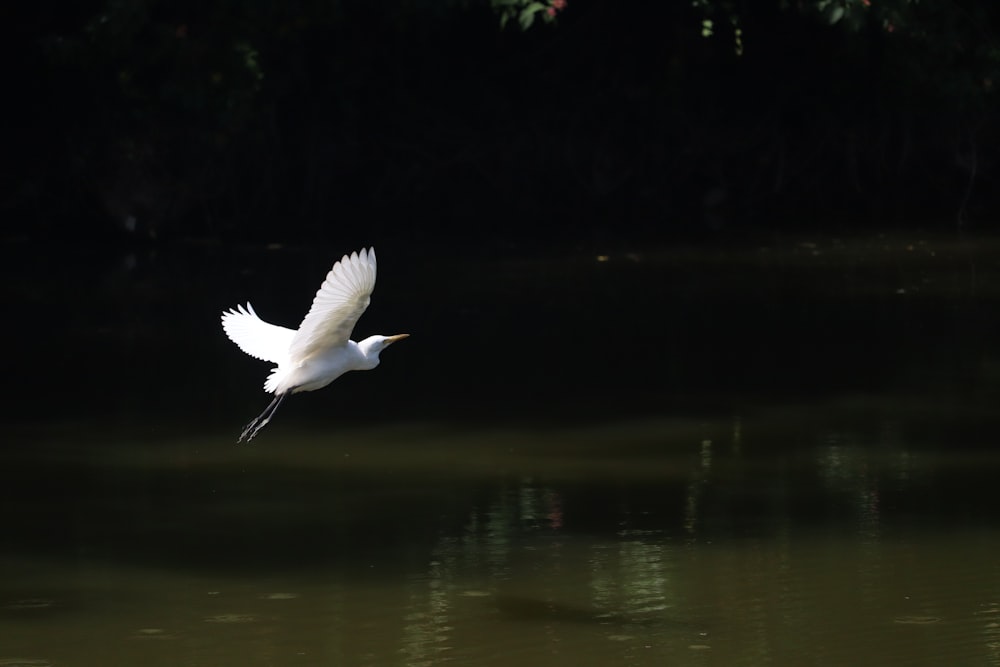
(392, 339)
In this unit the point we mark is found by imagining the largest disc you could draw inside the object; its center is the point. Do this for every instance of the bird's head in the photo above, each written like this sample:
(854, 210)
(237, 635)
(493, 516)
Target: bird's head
(373, 345)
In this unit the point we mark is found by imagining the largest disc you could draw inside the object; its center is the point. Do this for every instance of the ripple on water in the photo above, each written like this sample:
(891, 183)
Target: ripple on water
(916, 620)
(24, 662)
(279, 596)
(991, 608)
(151, 633)
(230, 618)
(28, 603)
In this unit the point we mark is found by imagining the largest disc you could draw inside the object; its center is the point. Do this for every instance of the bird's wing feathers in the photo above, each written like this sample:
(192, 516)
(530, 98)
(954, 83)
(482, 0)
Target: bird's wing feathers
(339, 303)
(255, 336)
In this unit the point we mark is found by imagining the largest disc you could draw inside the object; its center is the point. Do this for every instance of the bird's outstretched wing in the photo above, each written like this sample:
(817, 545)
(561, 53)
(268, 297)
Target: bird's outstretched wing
(339, 303)
(255, 336)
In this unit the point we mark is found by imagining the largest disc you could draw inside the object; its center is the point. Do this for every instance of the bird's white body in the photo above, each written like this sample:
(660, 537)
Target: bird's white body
(322, 369)
(320, 350)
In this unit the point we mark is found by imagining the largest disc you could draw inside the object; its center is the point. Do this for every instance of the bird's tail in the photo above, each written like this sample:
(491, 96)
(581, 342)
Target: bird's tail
(262, 419)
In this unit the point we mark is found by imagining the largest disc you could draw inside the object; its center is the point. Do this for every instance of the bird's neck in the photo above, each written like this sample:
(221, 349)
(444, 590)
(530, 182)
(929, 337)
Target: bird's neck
(370, 350)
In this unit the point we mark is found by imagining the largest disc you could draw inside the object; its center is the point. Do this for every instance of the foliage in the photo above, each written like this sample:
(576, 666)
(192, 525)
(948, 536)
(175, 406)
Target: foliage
(526, 12)
(233, 114)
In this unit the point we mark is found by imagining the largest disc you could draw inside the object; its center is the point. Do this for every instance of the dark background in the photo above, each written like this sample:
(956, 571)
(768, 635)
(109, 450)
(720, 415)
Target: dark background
(680, 289)
(617, 124)
(531, 193)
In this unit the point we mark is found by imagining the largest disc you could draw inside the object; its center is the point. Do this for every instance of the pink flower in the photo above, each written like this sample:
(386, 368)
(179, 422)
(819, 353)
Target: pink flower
(551, 11)
(558, 5)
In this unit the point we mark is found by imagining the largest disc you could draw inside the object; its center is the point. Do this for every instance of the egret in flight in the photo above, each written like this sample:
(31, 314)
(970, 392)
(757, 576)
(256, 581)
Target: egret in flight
(321, 350)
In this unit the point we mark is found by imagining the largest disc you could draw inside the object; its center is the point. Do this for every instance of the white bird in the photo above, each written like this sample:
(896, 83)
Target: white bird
(321, 350)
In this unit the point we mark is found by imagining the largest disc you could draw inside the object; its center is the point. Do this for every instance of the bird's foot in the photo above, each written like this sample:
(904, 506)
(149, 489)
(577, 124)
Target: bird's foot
(252, 429)
(259, 422)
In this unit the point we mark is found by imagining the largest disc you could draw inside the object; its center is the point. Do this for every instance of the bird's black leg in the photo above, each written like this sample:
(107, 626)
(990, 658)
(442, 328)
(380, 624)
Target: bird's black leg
(261, 421)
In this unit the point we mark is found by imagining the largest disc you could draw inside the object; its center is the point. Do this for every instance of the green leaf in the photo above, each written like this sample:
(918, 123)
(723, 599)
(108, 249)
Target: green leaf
(528, 14)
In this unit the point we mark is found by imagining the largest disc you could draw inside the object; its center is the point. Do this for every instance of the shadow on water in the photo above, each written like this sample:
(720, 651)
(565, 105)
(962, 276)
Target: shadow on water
(778, 456)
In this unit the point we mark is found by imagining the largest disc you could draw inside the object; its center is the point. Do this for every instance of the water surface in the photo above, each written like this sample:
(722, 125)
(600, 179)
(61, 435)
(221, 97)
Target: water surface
(791, 461)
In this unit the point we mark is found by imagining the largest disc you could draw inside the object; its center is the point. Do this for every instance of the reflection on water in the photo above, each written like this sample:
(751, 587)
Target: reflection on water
(789, 458)
(712, 549)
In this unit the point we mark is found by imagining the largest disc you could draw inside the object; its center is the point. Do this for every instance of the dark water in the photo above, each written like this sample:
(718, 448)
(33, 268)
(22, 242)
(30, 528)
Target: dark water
(782, 455)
